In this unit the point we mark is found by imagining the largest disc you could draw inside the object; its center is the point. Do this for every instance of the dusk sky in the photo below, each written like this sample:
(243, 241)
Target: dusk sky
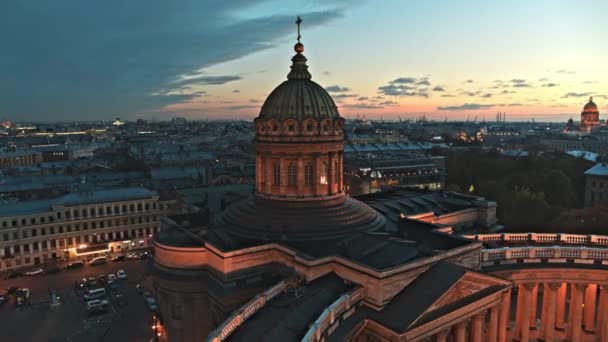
(84, 60)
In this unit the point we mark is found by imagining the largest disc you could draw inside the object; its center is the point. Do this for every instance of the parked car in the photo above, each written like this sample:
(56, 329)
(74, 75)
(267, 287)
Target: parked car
(14, 274)
(133, 256)
(75, 264)
(52, 269)
(111, 277)
(98, 261)
(97, 305)
(121, 274)
(151, 303)
(98, 293)
(90, 282)
(144, 255)
(11, 290)
(120, 299)
(35, 271)
(140, 288)
(22, 297)
(3, 299)
(118, 258)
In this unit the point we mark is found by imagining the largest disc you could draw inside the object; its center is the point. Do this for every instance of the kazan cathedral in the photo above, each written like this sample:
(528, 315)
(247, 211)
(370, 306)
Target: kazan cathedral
(299, 260)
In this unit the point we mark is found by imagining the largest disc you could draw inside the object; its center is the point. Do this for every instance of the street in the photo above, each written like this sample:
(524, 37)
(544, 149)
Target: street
(70, 321)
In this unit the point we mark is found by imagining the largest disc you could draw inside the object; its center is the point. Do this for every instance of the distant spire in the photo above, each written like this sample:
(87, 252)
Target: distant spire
(590, 98)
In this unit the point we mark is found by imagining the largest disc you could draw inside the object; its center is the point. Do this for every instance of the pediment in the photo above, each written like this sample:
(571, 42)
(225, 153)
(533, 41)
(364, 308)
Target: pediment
(469, 284)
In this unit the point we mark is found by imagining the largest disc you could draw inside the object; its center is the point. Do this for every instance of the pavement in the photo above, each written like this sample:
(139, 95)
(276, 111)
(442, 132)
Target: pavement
(69, 321)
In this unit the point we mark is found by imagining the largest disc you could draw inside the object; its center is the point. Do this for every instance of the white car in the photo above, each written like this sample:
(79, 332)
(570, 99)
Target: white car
(121, 274)
(110, 278)
(35, 271)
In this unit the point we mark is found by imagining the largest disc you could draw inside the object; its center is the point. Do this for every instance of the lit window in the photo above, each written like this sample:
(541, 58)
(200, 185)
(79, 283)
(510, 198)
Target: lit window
(323, 177)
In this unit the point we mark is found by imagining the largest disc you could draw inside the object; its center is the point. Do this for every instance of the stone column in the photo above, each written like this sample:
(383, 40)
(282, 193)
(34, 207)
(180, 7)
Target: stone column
(442, 336)
(533, 306)
(561, 306)
(460, 332)
(575, 321)
(258, 173)
(589, 309)
(519, 311)
(283, 184)
(300, 175)
(493, 327)
(601, 334)
(269, 175)
(331, 173)
(548, 321)
(543, 311)
(477, 327)
(503, 319)
(524, 325)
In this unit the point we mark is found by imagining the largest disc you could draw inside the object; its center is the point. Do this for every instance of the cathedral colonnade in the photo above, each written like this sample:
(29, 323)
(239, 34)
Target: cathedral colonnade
(490, 324)
(555, 311)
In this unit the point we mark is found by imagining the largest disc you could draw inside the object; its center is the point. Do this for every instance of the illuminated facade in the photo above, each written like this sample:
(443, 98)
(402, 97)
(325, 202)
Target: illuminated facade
(77, 226)
(388, 267)
(590, 116)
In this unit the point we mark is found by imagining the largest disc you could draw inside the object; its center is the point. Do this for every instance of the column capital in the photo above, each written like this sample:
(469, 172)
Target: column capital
(554, 286)
(580, 286)
(529, 286)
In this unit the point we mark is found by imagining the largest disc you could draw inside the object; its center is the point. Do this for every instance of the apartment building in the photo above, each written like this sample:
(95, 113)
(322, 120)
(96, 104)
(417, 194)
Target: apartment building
(78, 226)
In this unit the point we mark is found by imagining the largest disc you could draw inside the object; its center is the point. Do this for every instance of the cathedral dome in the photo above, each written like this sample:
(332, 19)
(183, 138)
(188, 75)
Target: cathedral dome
(590, 106)
(299, 97)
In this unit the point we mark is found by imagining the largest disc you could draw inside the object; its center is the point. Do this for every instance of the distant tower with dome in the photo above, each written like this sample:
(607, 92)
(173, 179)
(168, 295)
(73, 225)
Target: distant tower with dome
(590, 116)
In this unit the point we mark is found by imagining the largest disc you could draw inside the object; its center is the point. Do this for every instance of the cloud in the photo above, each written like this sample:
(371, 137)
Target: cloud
(424, 81)
(438, 88)
(236, 91)
(406, 86)
(363, 98)
(362, 106)
(544, 79)
(81, 60)
(564, 71)
(343, 96)
(254, 101)
(239, 107)
(389, 103)
(336, 89)
(404, 80)
(447, 95)
(550, 85)
(326, 73)
(569, 95)
(467, 106)
(469, 81)
(589, 82)
(486, 95)
(508, 92)
(522, 85)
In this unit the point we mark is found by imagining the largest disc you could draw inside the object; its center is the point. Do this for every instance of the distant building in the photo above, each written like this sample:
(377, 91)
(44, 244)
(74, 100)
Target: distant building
(78, 226)
(365, 175)
(596, 185)
(19, 158)
(590, 116)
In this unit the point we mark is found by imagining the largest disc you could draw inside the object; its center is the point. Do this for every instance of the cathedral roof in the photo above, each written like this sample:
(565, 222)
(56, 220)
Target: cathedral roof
(590, 106)
(299, 97)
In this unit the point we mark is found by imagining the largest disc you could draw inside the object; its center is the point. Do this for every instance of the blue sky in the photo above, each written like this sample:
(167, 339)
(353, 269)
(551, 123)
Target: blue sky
(75, 59)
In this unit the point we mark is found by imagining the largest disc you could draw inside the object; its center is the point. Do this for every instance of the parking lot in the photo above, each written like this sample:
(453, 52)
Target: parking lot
(70, 321)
